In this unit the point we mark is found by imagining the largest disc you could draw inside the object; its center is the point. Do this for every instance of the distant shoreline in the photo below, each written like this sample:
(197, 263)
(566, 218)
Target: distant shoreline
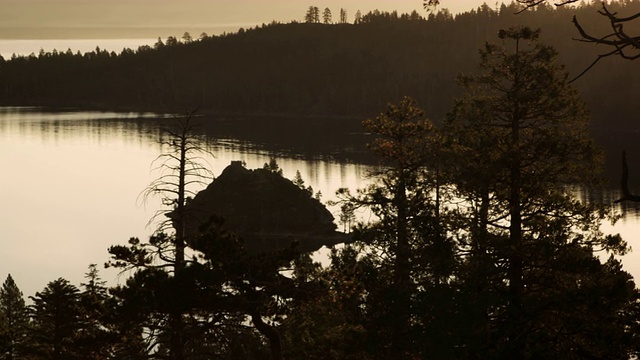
(24, 47)
(118, 32)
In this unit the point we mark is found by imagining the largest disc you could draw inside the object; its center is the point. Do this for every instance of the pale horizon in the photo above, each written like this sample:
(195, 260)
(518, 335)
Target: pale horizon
(100, 19)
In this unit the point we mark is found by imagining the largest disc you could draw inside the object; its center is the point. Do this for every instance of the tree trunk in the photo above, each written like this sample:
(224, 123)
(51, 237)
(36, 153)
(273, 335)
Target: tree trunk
(270, 333)
(482, 266)
(176, 341)
(515, 270)
(176, 321)
(402, 274)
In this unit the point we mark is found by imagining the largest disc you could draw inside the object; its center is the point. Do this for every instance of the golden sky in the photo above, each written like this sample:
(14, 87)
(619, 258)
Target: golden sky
(45, 18)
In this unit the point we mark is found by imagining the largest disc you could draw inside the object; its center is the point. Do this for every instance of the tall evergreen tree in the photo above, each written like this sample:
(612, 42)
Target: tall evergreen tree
(95, 340)
(56, 320)
(335, 321)
(298, 180)
(343, 16)
(401, 198)
(326, 16)
(313, 15)
(273, 166)
(524, 134)
(13, 320)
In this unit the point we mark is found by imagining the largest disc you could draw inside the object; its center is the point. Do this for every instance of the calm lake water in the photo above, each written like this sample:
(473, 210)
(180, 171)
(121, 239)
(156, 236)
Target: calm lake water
(71, 179)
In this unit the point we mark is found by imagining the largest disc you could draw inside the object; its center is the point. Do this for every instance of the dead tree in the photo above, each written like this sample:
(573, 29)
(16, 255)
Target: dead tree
(180, 168)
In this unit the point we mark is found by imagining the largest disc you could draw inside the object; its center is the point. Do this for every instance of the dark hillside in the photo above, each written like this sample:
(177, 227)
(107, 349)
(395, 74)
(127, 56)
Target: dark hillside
(316, 69)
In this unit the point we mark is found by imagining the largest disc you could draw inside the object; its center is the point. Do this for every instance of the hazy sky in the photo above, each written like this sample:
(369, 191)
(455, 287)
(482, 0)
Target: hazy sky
(45, 18)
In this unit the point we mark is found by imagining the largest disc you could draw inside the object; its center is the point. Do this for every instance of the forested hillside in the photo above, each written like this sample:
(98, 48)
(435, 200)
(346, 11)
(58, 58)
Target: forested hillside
(319, 69)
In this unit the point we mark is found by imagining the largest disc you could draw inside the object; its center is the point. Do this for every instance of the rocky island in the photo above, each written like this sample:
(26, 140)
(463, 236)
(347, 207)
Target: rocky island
(267, 211)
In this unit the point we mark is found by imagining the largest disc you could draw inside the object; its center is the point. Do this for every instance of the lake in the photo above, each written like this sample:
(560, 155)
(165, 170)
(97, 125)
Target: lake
(71, 181)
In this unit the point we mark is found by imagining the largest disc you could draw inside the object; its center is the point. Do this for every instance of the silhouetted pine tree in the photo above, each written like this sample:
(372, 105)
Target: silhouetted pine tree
(13, 320)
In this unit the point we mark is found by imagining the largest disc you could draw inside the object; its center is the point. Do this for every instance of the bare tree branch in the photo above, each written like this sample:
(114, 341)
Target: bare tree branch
(624, 45)
(600, 57)
(532, 3)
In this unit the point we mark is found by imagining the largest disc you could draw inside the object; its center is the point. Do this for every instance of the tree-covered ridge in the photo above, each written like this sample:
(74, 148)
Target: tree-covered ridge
(313, 68)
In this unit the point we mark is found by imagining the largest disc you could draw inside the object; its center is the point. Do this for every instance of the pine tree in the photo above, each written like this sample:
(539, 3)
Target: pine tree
(298, 181)
(187, 38)
(326, 16)
(347, 216)
(13, 320)
(313, 15)
(56, 321)
(343, 16)
(94, 340)
(400, 197)
(522, 134)
(273, 166)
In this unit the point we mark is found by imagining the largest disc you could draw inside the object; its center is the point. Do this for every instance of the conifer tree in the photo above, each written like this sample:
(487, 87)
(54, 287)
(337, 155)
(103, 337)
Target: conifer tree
(400, 198)
(343, 16)
(273, 166)
(313, 15)
(523, 132)
(187, 38)
(326, 16)
(13, 320)
(298, 180)
(94, 341)
(56, 321)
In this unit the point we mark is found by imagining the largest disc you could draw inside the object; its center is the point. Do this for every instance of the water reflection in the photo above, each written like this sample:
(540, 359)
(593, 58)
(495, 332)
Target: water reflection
(628, 210)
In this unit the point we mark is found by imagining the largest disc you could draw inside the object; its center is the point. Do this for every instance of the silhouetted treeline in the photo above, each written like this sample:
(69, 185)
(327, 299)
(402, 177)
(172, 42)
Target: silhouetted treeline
(319, 69)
